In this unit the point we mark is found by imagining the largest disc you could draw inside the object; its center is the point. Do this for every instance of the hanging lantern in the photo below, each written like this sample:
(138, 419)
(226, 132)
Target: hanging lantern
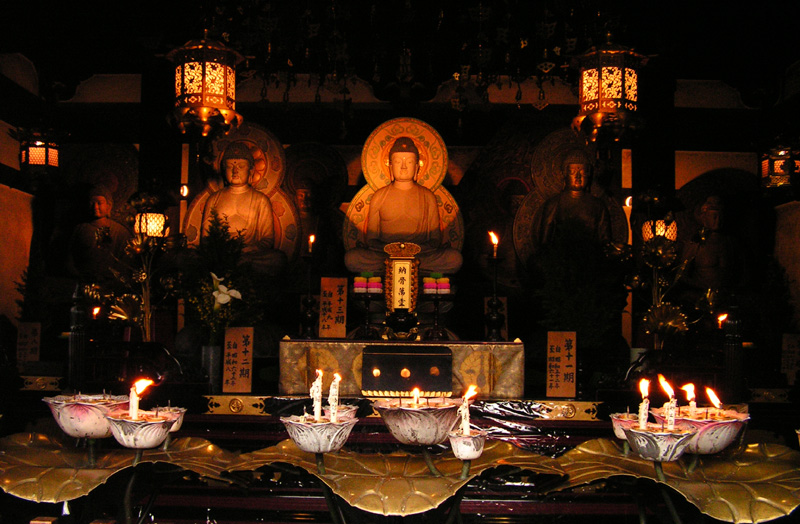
(660, 228)
(205, 86)
(37, 149)
(151, 224)
(778, 165)
(608, 91)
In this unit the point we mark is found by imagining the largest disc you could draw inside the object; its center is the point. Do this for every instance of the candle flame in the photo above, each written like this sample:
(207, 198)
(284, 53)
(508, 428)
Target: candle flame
(721, 319)
(644, 387)
(471, 392)
(311, 239)
(494, 238)
(319, 373)
(415, 392)
(95, 311)
(689, 389)
(141, 384)
(713, 398)
(629, 201)
(665, 386)
(337, 377)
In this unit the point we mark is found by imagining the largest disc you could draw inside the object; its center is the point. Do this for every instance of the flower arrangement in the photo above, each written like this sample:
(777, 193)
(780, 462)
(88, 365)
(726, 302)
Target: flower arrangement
(214, 307)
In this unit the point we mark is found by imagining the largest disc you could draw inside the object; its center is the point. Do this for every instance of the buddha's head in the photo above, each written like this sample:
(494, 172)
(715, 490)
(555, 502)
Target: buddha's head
(577, 167)
(100, 202)
(403, 160)
(238, 163)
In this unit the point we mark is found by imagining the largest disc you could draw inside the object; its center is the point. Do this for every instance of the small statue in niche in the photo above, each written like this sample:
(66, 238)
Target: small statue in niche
(574, 206)
(97, 246)
(404, 211)
(246, 210)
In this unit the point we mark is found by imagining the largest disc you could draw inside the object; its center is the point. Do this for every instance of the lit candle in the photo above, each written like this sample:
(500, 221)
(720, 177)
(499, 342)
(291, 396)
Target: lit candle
(316, 395)
(415, 393)
(133, 400)
(689, 389)
(311, 240)
(333, 397)
(644, 406)
(628, 208)
(495, 241)
(714, 400)
(463, 409)
(671, 405)
(721, 320)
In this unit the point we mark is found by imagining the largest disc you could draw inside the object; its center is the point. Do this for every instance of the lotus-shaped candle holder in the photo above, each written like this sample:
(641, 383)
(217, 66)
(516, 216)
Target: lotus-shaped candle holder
(620, 421)
(467, 447)
(148, 431)
(714, 433)
(420, 425)
(343, 412)
(318, 437)
(83, 416)
(657, 444)
(175, 413)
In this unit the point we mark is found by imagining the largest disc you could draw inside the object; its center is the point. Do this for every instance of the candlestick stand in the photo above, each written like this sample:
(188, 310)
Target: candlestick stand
(436, 332)
(366, 331)
(494, 317)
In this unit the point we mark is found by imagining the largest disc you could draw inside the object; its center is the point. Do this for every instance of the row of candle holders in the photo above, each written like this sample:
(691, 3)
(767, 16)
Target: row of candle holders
(702, 433)
(101, 416)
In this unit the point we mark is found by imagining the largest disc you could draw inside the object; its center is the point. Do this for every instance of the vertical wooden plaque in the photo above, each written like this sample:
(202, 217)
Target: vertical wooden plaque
(29, 336)
(333, 308)
(237, 369)
(561, 364)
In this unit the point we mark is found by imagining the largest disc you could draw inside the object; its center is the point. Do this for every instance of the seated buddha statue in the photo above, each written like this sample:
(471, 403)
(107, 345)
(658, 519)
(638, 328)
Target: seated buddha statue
(404, 211)
(247, 211)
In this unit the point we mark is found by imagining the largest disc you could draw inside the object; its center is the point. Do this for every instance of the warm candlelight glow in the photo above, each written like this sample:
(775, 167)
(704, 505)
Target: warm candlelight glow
(629, 201)
(644, 387)
(142, 384)
(721, 319)
(311, 239)
(415, 393)
(665, 386)
(713, 398)
(689, 389)
(495, 241)
(463, 409)
(95, 312)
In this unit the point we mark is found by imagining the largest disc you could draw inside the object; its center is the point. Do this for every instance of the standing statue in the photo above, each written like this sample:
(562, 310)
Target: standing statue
(404, 211)
(247, 210)
(97, 246)
(574, 206)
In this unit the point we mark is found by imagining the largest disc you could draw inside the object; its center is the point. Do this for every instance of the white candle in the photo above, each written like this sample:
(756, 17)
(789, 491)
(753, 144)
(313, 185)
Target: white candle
(627, 208)
(311, 240)
(415, 393)
(333, 397)
(671, 408)
(316, 395)
(463, 410)
(495, 241)
(133, 410)
(644, 406)
(690, 396)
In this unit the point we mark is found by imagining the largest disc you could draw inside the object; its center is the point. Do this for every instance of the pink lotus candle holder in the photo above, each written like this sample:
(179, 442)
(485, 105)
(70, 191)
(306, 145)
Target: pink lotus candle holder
(657, 444)
(713, 434)
(467, 447)
(423, 424)
(148, 431)
(318, 437)
(620, 421)
(175, 413)
(83, 416)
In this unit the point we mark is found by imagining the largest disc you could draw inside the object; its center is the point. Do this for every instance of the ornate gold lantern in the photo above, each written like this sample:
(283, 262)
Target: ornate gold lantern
(37, 149)
(151, 224)
(778, 165)
(660, 228)
(205, 86)
(608, 91)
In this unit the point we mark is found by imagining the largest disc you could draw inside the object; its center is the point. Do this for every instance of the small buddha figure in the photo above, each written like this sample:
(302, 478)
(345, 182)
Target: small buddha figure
(404, 211)
(574, 205)
(97, 246)
(247, 211)
(712, 254)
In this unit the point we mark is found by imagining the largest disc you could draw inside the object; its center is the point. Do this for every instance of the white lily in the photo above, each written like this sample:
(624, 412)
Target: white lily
(224, 295)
